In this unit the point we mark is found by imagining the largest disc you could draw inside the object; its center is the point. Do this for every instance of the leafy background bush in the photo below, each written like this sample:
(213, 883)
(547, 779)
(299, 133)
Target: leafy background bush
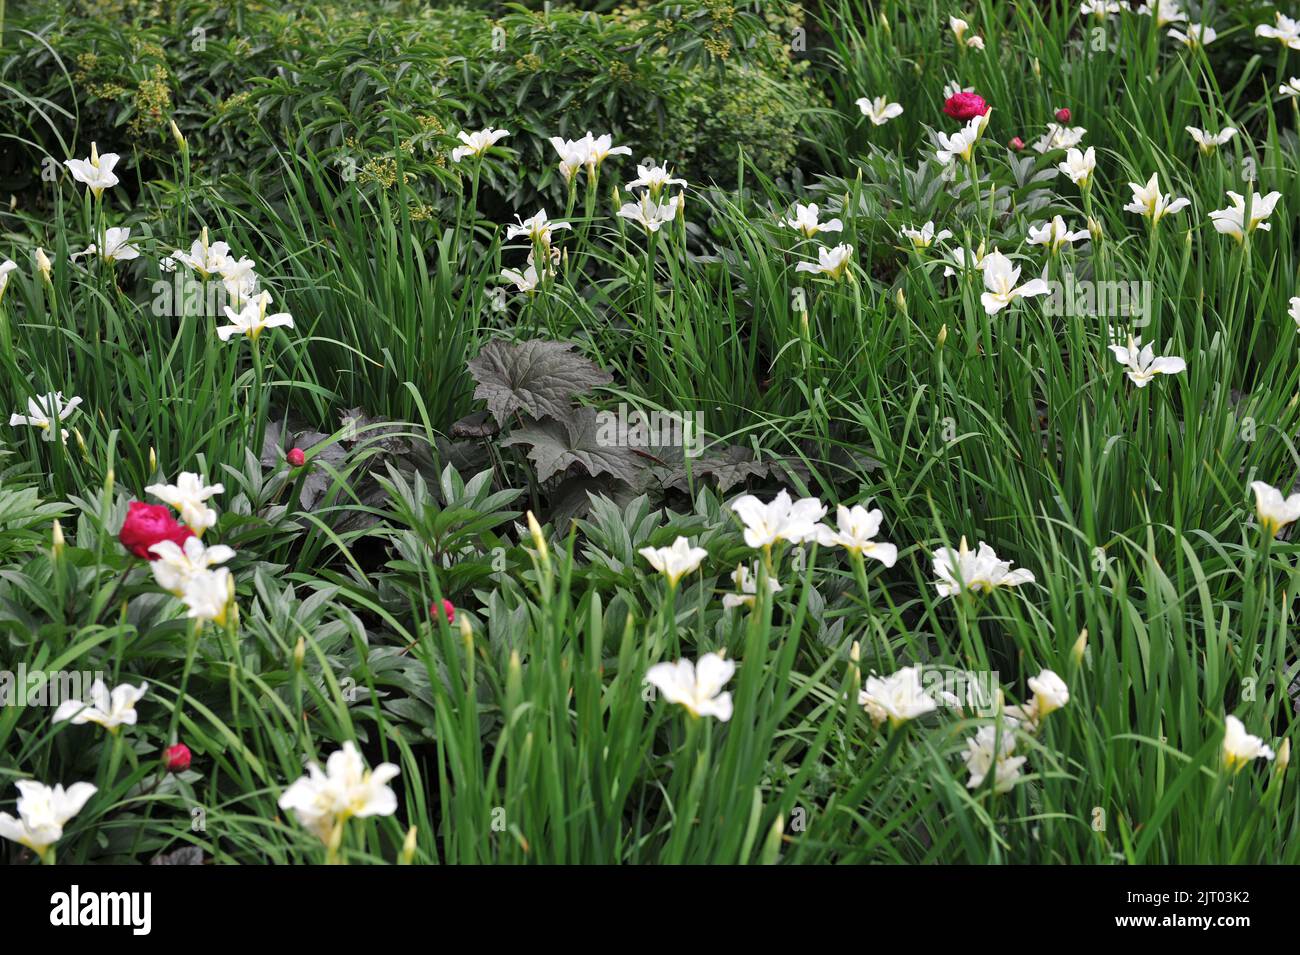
(370, 87)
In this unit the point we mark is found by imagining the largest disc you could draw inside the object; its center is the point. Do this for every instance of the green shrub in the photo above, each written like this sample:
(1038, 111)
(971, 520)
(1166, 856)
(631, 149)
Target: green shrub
(381, 86)
(737, 109)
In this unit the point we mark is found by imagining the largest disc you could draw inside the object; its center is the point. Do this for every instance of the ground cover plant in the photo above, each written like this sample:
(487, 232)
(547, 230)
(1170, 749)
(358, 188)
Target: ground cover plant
(648, 432)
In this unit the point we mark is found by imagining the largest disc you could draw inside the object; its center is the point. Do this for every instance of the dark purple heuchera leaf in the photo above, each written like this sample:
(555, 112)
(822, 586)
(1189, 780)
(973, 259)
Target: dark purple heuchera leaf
(554, 446)
(727, 467)
(185, 855)
(537, 377)
(477, 425)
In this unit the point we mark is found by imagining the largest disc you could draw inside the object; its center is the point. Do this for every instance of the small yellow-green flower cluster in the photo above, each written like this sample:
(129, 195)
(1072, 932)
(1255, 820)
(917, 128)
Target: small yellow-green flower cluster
(152, 101)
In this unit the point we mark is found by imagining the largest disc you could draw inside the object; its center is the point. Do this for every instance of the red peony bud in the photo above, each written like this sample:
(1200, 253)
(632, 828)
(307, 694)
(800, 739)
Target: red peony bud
(177, 758)
(448, 610)
(964, 106)
(1062, 115)
(149, 524)
(1016, 143)
(296, 457)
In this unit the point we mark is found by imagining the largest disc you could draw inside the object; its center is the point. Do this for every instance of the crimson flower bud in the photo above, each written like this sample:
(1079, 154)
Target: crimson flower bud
(964, 106)
(177, 758)
(149, 524)
(448, 611)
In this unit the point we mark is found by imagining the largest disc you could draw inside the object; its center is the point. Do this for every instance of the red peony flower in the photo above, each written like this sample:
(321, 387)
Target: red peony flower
(149, 524)
(1016, 143)
(296, 457)
(177, 758)
(964, 106)
(1062, 115)
(447, 609)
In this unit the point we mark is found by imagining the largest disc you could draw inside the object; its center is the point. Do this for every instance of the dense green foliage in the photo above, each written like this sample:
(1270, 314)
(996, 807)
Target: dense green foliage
(437, 405)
